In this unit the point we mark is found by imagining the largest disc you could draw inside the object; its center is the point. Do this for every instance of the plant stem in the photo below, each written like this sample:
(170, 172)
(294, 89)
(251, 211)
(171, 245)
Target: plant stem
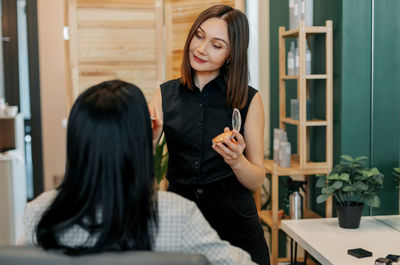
(361, 196)
(341, 197)
(337, 198)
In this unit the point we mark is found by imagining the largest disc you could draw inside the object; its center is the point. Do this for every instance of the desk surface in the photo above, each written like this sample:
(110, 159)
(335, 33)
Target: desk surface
(328, 243)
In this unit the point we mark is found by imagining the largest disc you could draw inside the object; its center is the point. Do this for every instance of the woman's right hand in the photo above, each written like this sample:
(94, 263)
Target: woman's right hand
(156, 123)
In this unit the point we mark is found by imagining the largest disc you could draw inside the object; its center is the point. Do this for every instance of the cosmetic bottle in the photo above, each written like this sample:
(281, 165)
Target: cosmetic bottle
(290, 59)
(277, 139)
(308, 60)
(296, 60)
(293, 14)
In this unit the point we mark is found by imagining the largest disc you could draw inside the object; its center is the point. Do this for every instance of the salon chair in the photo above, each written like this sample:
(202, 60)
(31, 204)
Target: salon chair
(29, 255)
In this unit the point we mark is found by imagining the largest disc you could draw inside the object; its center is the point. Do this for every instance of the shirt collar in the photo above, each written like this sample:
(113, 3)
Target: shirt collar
(218, 81)
(221, 84)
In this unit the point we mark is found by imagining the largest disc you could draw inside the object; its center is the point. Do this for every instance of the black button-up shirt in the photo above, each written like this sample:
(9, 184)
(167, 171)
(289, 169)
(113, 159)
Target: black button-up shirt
(191, 119)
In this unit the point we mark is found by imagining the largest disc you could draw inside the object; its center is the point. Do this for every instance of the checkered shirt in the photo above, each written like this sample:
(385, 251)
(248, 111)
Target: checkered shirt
(182, 229)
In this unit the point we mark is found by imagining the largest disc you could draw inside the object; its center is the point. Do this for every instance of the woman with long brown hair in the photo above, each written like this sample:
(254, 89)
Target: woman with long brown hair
(195, 108)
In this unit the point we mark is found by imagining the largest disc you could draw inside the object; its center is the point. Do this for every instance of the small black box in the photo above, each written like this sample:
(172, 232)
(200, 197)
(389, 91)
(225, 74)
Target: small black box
(359, 253)
(383, 261)
(392, 257)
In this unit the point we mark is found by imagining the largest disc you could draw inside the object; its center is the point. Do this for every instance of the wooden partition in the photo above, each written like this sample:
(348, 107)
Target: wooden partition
(129, 40)
(115, 39)
(179, 16)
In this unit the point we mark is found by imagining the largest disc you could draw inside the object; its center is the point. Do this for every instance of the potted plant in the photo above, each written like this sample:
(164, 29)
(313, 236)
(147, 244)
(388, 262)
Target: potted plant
(160, 162)
(353, 185)
(396, 173)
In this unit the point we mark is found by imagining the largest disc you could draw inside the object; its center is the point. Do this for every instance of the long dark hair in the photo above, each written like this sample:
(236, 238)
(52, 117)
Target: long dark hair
(235, 72)
(108, 187)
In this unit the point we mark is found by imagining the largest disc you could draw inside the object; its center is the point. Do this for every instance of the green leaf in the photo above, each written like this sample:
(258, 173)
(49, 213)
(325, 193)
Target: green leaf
(334, 176)
(344, 177)
(363, 176)
(347, 158)
(361, 158)
(371, 172)
(372, 200)
(396, 173)
(359, 185)
(323, 197)
(160, 161)
(347, 188)
(337, 184)
(328, 190)
(321, 182)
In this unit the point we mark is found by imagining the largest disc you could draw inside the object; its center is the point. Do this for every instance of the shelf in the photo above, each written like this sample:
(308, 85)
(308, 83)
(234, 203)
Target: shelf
(313, 122)
(316, 76)
(266, 217)
(289, 77)
(308, 30)
(308, 77)
(7, 117)
(300, 162)
(318, 168)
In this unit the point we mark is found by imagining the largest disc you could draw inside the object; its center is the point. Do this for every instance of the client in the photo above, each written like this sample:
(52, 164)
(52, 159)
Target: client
(107, 200)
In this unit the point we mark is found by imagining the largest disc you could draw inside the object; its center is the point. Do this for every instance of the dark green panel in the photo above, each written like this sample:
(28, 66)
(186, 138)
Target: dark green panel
(279, 16)
(356, 78)
(325, 10)
(329, 10)
(386, 99)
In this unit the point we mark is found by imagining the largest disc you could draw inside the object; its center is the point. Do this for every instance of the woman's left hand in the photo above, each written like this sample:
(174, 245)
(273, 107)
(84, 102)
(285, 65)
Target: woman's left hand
(231, 150)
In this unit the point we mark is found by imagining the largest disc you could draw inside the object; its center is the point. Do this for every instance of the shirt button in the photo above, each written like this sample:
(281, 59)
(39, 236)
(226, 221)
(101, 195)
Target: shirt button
(200, 191)
(201, 105)
(196, 163)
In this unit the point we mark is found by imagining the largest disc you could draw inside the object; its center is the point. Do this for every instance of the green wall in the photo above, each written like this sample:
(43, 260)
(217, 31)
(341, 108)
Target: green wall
(370, 87)
(366, 116)
(385, 133)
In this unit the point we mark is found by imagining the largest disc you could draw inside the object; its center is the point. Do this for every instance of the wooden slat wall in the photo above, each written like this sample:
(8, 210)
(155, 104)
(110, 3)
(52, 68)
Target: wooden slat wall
(179, 16)
(124, 39)
(116, 39)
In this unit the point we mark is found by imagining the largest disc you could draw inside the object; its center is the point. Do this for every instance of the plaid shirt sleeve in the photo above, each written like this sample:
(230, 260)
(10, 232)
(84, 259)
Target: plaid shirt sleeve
(32, 214)
(182, 228)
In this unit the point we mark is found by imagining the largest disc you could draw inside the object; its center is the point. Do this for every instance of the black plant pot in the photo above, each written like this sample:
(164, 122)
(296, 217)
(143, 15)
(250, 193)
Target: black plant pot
(349, 215)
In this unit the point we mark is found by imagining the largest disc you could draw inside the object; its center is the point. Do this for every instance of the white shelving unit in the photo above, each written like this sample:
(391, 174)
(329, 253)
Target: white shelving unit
(12, 179)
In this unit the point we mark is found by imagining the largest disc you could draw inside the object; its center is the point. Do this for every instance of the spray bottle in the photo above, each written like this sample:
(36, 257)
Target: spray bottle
(295, 198)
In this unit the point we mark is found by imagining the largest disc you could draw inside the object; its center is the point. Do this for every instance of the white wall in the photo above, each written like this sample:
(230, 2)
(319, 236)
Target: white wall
(257, 12)
(1, 63)
(253, 52)
(53, 87)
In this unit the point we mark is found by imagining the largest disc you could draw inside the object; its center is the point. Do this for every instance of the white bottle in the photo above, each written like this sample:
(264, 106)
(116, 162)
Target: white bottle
(290, 59)
(302, 10)
(277, 139)
(284, 154)
(306, 12)
(309, 13)
(3, 106)
(308, 60)
(296, 13)
(296, 60)
(293, 14)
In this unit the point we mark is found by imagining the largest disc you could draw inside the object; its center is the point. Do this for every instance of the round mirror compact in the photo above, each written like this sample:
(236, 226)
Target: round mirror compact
(236, 120)
(236, 124)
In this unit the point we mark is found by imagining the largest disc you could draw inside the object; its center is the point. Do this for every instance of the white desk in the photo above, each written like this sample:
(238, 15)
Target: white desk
(328, 243)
